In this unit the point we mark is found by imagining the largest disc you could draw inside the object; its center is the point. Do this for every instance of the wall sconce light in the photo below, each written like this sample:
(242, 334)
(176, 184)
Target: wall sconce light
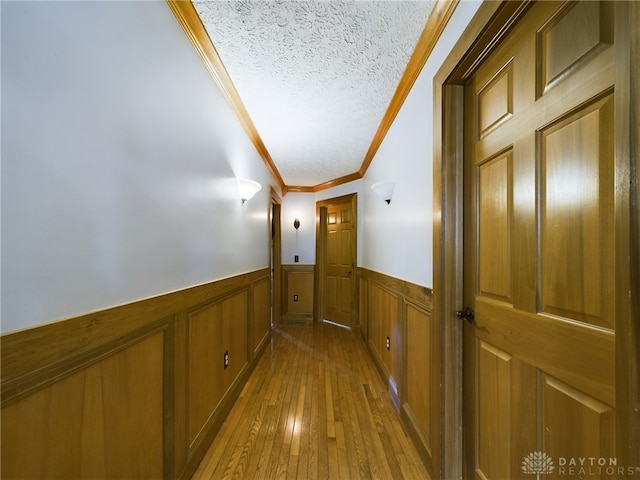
(384, 190)
(296, 224)
(247, 189)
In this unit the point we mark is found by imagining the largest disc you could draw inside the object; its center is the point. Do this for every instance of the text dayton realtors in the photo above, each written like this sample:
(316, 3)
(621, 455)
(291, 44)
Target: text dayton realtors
(594, 466)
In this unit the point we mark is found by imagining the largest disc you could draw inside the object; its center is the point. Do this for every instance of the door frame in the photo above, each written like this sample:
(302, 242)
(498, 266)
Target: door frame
(490, 23)
(321, 257)
(275, 256)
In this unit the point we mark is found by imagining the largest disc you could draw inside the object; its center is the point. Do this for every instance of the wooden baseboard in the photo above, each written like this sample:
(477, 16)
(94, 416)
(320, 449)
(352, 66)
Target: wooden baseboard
(417, 434)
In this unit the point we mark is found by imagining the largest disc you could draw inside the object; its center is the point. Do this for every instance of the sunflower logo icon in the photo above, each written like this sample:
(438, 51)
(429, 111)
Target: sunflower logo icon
(537, 463)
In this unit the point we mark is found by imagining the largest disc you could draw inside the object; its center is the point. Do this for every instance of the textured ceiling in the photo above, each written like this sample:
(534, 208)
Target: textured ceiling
(316, 77)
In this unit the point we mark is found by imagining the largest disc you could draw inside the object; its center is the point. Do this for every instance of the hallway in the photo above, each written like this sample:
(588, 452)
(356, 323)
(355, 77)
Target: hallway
(314, 407)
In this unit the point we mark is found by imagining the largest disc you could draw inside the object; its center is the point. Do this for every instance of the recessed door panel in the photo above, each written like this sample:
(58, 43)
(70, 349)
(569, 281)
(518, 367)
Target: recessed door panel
(494, 412)
(576, 222)
(571, 36)
(333, 247)
(495, 101)
(574, 422)
(495, 199)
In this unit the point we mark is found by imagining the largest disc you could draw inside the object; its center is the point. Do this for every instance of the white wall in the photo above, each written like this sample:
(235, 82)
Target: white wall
(299, 242)
(303, 207)
(397, 238)
(118, 162)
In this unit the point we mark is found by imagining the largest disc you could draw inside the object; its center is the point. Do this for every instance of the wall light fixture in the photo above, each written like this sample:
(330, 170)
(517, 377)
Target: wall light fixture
(247, 189)
(296, 224)
(384, 190)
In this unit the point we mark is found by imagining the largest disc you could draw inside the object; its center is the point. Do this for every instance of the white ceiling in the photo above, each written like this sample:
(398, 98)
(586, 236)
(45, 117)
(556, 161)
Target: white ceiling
(316, 77)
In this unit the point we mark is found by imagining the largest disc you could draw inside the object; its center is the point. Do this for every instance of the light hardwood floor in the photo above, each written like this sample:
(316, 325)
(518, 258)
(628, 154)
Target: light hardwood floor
(314, 407)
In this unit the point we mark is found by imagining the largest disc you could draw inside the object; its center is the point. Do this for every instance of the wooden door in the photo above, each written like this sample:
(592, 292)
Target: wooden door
(540, 230)
(339, 279)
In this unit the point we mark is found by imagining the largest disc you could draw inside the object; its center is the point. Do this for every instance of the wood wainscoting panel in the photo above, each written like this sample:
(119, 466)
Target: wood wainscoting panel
(104, 421)
(110, 394)
(400, 310)
(363, 298)
(58, 342)
(205, 355)
(217, 354)
(298, 293)
(419, 352)
(261, 315)
(384, 332)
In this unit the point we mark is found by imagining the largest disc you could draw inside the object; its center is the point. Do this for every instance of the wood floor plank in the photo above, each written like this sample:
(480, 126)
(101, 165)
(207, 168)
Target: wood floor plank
(282, 444)
(219, 451)
(241, 436)
(358, 456)
(330, 405)
(314, 407)
(377, 449)
(343, 458)
(297, 420)
(323, 452)
(304, 430)
(261, 443)
(332, 446)
(347, 414)
(313, 431)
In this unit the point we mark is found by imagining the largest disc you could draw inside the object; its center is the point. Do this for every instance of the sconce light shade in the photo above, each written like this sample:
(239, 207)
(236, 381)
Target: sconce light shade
(296, 224)
(384, 190)
(247, 188)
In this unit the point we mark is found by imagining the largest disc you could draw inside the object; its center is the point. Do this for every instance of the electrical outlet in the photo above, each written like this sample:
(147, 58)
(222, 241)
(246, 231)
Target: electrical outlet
(388, 343)
(295, 298)
(226, 359)
(296, 259)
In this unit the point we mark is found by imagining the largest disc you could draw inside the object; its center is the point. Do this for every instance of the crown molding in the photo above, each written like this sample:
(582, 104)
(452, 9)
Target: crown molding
(296, 189)
(338, 181)
(433, 29)
(190, 21)
(323, 186)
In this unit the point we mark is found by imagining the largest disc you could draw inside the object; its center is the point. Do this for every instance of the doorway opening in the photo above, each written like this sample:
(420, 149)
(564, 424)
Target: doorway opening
(275, 256)
(336, 256)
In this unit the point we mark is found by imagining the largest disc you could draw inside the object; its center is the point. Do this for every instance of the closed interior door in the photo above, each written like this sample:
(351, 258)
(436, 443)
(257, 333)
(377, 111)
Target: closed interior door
(539, 258)
(340, 259)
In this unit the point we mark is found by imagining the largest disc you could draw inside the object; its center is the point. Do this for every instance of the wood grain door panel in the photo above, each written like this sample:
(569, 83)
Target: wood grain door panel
(576, 221)
(340, 256)
(539, 242)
